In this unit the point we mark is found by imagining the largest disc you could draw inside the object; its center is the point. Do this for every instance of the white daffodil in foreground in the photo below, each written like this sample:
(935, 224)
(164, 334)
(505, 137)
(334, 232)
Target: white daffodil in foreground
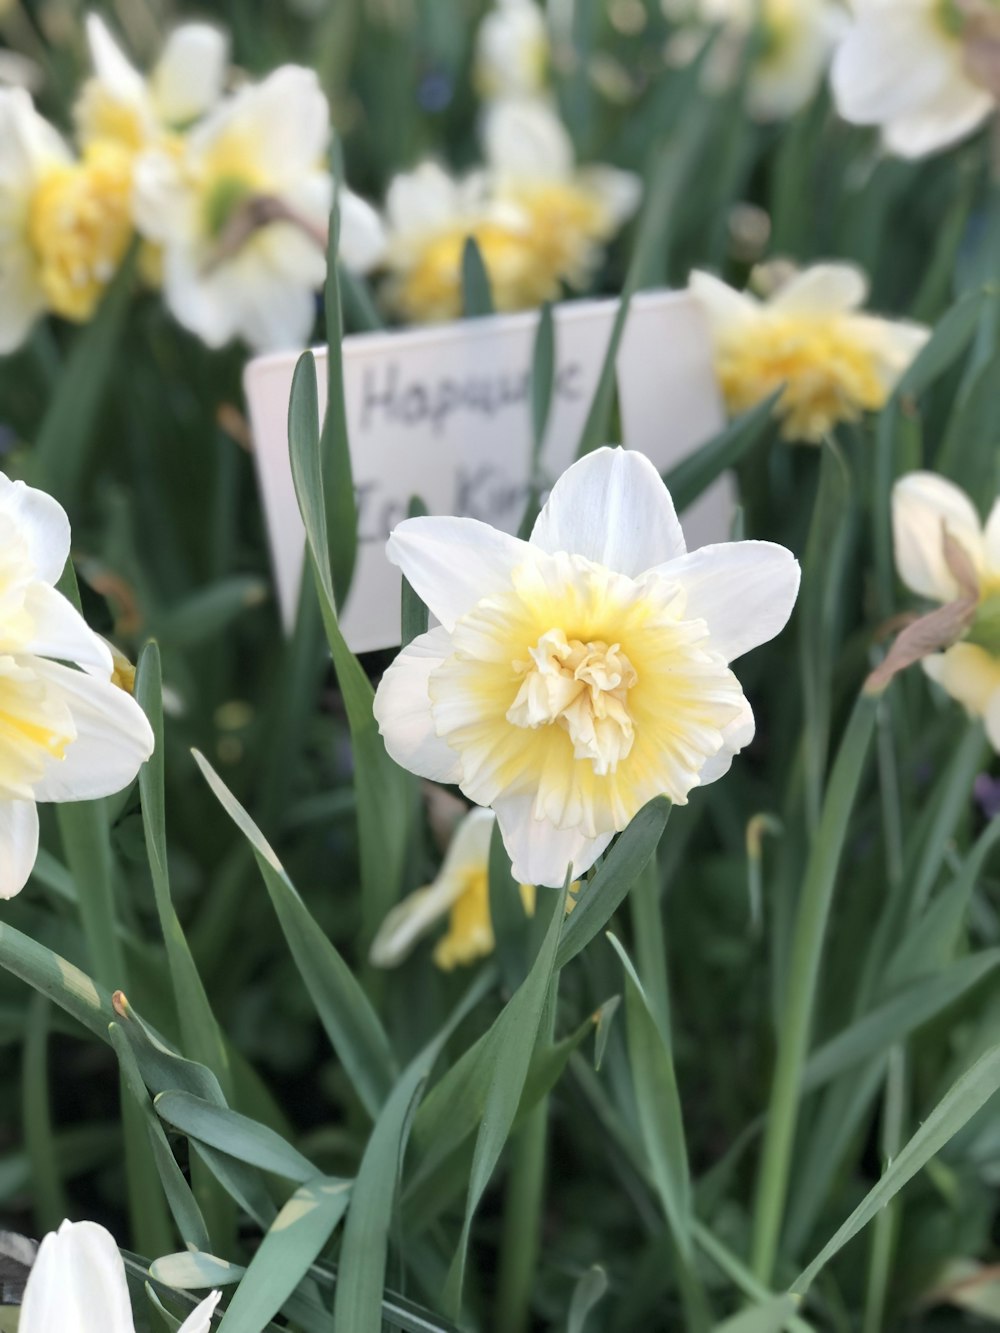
(572, 212)
(919, 69)
(118, 104)
(812, 337)
(795, 42)
(66, 734)
(512, 50)
(577, 675)
(77, 1285)
(461, 892)
(64, 224)
(429, 216)
(925, 507)
(241, 212)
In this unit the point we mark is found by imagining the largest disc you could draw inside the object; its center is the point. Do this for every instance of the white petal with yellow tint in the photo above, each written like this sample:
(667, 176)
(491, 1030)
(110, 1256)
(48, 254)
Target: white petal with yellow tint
(453, 563)
(924, 506)
(112, 743)
(951, 116)
(18, 849)
(619, 192)
(111, 65)
(189, 76)
(362, 235)
(524, 138)
(200, 1318)
(736, 735)
(77, 1284)
(60, 631)
(540, 853)
(42, 523)
(282, 123)
(992, 539)
(744, 591)
(613, 508)
(724, 307)
(971, 675)
(824, 288)
(403, 710)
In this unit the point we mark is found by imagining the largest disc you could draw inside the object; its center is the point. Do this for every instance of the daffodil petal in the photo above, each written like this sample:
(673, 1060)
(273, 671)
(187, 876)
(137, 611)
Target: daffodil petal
(403, 710)
(43, 524)
(736, 736)
(111, 65)
(411, 919)
(200, 1318)
(18, 850)
(823, 287)
(60, 631)
(724, 307)
(539, 852)
(113, 738)
(992, 720)
(453, 563)
(992, 537)
(946, 119)
(613, 508)
(523, 136)
(77, 1282)
(889, 63)
(190, 73)
(744, 591)
(923, 507)
(362, 235)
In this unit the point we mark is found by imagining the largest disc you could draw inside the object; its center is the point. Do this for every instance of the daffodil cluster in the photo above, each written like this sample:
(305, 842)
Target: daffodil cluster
(228, 193)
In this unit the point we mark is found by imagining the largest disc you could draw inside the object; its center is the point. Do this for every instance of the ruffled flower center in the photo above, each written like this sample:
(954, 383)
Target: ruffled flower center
(79, 227)
(582, 687)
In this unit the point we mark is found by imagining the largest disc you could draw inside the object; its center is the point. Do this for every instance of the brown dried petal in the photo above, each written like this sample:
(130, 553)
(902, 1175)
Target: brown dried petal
(929, 634)
(255, 213)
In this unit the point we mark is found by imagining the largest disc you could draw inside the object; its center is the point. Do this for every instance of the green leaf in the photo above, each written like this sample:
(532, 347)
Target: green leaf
(600, 898)
(343, 1008)
(48, 1195)
(890, 1022)
(341, 514)
(951, 336)
(971, 1092)
(693, 475)
(588, 1291)
(517, 1032)
(195, 1269)
(652, 1065)
(477, 294)
(543, 371)
(771, 1317)
(182, 1203)
(234, 1134)
(293, 1242)
(358, 1304)
(210, 611)
(386, 795)
(62, 443)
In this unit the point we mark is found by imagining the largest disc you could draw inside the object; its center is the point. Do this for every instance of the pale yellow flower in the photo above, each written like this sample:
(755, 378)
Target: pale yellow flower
(460, 892)
(924, 508)
(577, 675)
(834, 360)
(571, 212)
(512, 50)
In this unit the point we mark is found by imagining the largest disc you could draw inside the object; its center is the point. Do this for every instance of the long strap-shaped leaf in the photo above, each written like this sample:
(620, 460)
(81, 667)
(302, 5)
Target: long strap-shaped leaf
(344, 1010)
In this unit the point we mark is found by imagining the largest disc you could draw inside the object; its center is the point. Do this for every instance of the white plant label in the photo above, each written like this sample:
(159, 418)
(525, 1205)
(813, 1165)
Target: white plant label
(444, 413)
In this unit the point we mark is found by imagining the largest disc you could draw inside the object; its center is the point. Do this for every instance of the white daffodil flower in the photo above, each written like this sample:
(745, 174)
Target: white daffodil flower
(461, 892)
(77, 1285)
(577, 675)
(121, 105)
(908, 66)
(66, 734)
(834, 360)
(924, 508)
(796, 42)
(429, 216)
(512, 50)
(241, 212)
(572, 211)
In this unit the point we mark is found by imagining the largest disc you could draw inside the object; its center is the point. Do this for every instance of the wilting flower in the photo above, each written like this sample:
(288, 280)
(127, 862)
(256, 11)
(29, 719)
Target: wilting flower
(429, 216)
(920, 69)
(461, 892)
(65, 734)
(572, 212)
(577, 675)
(834, 360)
(512, 50)
(64, 224)
(925, 508)
(241, 212)
(118, 104)
(78, 1283)
(794, 40)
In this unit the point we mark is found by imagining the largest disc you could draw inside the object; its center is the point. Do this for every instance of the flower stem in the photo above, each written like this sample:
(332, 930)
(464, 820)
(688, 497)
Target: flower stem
(800, 998)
